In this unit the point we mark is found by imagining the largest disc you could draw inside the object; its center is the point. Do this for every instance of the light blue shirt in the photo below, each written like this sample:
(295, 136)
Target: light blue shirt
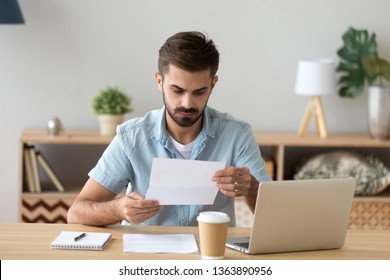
(127, 161)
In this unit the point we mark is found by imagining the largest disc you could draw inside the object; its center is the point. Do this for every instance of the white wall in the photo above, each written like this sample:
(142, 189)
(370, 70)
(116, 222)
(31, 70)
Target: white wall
(68, 49)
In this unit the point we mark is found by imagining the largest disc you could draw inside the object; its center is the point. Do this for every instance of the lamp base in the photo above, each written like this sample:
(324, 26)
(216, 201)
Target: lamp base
(314, 107)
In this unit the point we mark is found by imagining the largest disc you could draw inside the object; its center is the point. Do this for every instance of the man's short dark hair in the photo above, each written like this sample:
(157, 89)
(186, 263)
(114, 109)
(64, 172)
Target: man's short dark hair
(190, 51)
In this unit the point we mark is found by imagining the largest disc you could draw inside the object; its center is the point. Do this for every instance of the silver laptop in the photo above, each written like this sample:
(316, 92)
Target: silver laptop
(299, 215)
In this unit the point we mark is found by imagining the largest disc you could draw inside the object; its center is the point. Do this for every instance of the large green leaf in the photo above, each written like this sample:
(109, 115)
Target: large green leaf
(357, 45)
(377, 67)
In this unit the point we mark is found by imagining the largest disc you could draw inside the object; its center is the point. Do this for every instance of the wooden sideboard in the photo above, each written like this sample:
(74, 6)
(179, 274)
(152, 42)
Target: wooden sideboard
(49, 205)
(287, 150)
(280, 147)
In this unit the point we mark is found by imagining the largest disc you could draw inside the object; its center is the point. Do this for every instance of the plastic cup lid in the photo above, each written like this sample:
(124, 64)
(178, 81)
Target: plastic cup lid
(213, 217)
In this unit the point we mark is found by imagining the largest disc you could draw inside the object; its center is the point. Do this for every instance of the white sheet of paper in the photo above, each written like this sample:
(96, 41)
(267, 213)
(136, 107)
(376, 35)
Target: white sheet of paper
(183, 182)
(160, 243)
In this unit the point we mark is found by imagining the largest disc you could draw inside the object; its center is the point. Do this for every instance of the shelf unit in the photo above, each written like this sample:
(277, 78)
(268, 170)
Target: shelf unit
(52, 206)
(284, 148)
(280, 142)
(287, 150)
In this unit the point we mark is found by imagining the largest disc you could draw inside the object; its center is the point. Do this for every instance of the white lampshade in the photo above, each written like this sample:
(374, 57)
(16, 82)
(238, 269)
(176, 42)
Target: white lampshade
(315, 77)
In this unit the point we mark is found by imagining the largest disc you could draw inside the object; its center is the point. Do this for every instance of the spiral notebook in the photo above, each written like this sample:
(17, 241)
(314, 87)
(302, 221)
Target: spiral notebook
(76, 240)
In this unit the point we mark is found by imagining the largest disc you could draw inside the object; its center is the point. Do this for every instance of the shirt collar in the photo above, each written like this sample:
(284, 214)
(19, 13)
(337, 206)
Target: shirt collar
(208, 127)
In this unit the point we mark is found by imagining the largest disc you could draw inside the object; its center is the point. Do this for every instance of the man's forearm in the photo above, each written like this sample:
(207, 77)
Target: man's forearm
(94, 213)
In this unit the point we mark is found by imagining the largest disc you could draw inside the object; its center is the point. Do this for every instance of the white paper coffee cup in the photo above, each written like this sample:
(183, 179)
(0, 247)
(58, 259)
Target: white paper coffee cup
(212, 234)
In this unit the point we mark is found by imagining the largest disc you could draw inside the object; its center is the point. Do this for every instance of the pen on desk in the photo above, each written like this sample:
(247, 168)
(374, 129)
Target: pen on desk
(79, 236)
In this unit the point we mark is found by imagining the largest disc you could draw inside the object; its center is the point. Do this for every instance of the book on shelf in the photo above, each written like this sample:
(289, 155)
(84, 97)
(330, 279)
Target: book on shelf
(28, 170)
(35, 170)
(49, 171)
(36, 186)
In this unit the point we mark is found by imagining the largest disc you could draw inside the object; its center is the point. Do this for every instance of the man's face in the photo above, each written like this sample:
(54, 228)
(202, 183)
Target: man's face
(185, 94)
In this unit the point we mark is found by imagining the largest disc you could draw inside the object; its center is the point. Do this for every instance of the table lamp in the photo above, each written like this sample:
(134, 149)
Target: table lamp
(315, 78)
(10, 12)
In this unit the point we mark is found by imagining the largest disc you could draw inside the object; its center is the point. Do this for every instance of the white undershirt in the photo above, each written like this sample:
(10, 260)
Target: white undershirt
(184, 150)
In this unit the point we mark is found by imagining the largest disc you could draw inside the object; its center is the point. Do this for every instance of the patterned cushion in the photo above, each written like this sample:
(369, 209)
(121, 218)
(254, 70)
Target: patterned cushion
(372, 177)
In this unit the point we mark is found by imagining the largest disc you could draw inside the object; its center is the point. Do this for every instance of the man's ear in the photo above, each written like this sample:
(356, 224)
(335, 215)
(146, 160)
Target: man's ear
(159, 80)
(214, 81)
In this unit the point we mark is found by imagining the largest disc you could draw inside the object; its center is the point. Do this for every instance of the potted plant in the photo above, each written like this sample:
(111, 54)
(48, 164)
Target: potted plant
(111, 104)
(361, 66)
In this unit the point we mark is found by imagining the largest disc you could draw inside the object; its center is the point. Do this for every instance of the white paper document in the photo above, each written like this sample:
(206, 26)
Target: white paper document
(160, 243)
(183, 182)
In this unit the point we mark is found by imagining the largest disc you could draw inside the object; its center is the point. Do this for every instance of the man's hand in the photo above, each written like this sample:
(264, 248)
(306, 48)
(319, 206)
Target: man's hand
(233, 181)
(135, 209)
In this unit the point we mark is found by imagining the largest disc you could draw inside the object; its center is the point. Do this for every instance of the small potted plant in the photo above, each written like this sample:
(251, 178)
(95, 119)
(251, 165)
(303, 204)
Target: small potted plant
(111, 104)
(361, 66)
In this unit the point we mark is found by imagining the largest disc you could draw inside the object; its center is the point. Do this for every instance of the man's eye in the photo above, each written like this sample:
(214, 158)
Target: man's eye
(176, 90)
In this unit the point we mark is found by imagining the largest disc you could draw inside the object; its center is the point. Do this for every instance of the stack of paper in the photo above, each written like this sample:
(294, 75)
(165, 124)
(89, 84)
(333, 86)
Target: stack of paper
(160, 243)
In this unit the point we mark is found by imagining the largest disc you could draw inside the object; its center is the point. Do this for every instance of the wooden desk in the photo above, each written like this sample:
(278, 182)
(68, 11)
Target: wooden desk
(32, 241)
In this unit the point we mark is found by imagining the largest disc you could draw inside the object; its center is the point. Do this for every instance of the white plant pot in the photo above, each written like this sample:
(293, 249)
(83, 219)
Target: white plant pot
(108, 124)
(379, 112)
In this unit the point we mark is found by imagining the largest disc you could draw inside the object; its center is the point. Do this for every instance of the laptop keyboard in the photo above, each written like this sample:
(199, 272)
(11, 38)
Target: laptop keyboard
(242, 244)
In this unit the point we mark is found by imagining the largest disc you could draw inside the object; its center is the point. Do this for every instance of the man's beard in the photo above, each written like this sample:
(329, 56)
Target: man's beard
(183, 122)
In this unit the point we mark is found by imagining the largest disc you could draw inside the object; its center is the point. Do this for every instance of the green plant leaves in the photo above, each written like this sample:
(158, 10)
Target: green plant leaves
(111, 100)
(377, 67)
(357, 45)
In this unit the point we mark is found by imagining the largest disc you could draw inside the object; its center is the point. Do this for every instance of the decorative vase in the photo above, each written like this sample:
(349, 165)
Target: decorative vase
(379, 112)
(108, 123)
